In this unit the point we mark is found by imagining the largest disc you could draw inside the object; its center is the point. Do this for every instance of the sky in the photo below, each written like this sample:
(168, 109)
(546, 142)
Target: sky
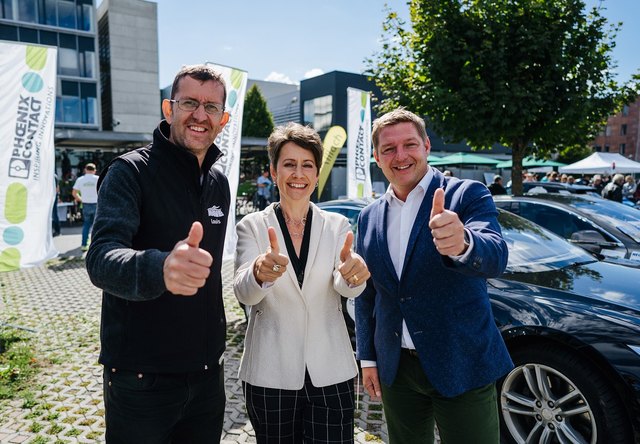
(287, 41)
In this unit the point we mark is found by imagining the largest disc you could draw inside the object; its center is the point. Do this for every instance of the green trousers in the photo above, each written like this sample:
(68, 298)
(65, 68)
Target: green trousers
(412, 406)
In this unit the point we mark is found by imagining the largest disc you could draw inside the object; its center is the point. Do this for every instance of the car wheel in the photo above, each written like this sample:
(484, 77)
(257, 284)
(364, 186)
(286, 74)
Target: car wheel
(554, 396)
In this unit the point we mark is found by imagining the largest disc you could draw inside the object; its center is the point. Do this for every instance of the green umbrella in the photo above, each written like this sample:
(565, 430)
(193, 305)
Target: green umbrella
(531, 162)
(463, 159)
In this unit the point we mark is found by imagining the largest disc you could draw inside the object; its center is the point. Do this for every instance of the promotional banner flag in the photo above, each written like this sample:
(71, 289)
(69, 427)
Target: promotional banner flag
(229, 142)
(332, 144)
(27, 154)
(358, 143)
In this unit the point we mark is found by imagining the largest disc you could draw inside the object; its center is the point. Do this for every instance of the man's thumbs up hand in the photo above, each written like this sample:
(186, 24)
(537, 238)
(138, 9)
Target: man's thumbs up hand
(352, 266)
(446, 228)
(187, 267)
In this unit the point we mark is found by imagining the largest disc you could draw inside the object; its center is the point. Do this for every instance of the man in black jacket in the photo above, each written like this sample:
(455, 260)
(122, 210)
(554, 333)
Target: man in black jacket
(156, 251)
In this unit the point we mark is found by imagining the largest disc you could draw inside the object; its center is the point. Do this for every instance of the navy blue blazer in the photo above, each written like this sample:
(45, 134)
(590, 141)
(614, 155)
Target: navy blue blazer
(445, 304)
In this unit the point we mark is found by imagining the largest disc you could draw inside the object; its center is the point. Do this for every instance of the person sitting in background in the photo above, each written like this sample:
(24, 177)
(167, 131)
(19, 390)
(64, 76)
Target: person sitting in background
(613, 190)
(496, 187)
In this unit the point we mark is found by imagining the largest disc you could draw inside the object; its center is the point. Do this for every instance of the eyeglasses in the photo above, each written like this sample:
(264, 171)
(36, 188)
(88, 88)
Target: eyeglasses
(190, 105)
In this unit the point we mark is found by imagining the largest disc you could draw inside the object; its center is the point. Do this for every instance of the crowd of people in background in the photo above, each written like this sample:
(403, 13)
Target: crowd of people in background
(616, 187)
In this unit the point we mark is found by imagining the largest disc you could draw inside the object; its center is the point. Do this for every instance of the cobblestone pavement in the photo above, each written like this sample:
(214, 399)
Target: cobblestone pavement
(60, 307)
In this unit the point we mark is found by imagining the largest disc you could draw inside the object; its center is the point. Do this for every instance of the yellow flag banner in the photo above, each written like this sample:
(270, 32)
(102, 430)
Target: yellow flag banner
(332, 144)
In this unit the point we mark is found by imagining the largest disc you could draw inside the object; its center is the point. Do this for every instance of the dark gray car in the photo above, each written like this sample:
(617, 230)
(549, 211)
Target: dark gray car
(603, 227)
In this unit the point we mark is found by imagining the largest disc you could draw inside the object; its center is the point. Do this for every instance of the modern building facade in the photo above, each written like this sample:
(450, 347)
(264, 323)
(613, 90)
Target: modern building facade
(622, 133)
(100, 110)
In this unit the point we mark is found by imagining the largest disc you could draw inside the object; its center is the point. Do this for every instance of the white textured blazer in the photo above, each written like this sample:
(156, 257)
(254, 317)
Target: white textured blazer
(292, 328)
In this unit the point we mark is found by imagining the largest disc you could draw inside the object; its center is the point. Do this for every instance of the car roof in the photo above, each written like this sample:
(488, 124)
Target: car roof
(346, 202)
(559, 186)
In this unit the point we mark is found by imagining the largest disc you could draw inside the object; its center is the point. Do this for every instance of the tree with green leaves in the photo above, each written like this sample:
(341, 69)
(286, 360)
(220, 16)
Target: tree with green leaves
(534, 75)
(257, 121)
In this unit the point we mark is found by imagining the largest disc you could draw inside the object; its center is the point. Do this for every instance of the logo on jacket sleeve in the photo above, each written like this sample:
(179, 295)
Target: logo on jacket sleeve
(215, 211)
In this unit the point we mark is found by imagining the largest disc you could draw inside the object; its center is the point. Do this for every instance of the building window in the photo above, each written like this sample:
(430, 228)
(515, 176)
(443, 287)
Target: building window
(623, 146)
(606, 148)
(607, 130)
(85, 17)
(87, 56)
(8, 33)
(625, 110)
(623, 129)
(27, 11)
(67, 14)
(7, 10)
(28, 35)
(77, 103)
(318, 112)
(598, 148)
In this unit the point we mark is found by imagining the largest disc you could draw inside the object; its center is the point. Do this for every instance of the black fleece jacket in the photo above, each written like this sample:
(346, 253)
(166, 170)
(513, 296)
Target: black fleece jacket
(147, 200)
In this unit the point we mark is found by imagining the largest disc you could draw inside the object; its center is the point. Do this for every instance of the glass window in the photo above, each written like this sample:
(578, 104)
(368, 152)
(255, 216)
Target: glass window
(532, 248)
(625, 110)
(68, 62)
(623, 147)
(8, 32)
(607, 131)
(68, 103)
(624, 218)
(318, 112)
(88, 92)
(6, 11)
(27, 11)
(66, 14)
(50, 13)
(87, 56)
(48, 38)
(85, 17)
(623, 129)
(28, 35)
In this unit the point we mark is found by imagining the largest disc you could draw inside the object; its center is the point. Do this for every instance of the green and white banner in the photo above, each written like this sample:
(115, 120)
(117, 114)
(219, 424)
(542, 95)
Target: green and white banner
(358, 143)
(229, 142)
(27, 155)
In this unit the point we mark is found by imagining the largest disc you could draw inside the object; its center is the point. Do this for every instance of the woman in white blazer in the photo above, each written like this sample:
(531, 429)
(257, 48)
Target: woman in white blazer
(293, 263)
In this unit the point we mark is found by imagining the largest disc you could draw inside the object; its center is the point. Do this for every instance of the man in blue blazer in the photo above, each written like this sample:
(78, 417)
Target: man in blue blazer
(425, 331)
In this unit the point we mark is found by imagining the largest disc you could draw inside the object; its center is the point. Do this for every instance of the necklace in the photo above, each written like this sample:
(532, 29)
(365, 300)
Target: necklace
(295, 223)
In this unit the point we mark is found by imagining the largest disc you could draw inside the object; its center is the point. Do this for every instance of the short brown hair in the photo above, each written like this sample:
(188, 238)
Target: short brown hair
(394, 117)
(303, 136)
(202, 73)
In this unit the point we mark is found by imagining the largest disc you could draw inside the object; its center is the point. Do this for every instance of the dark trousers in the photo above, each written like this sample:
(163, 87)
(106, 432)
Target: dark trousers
(183, 408)
(412, 405)
(309, 415)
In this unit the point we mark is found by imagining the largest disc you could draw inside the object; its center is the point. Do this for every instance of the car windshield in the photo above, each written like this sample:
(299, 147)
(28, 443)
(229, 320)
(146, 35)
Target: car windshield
(624, 218)
(533, 248)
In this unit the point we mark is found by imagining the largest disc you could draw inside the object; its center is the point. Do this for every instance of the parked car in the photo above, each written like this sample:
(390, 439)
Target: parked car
(572, 326)
(603, 227)
(555, 188)
(350, 208)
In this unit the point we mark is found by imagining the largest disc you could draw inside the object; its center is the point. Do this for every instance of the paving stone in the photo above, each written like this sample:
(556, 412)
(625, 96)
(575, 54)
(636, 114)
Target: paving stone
(60, 308)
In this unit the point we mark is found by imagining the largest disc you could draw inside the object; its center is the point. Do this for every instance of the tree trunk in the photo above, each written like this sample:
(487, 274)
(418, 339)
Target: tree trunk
(518, 151)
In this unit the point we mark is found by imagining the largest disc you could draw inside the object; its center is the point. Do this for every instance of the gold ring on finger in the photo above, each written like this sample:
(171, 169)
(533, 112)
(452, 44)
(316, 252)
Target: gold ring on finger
(276, 268)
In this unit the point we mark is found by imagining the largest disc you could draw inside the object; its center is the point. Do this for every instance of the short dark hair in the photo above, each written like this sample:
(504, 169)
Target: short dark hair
(394, 117)
(303, 136)
(202, 73)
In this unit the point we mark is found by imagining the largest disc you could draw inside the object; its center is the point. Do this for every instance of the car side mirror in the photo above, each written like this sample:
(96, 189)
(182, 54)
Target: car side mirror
(590, 240)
